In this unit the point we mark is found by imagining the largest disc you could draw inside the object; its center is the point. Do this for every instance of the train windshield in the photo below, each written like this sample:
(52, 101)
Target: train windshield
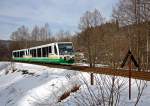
(65, 49)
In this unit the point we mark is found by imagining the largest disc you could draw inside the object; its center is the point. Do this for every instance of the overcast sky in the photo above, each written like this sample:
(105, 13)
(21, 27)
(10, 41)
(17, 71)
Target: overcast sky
(60, 14)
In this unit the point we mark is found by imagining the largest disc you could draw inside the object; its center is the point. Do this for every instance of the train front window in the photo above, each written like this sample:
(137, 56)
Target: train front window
(65, 49)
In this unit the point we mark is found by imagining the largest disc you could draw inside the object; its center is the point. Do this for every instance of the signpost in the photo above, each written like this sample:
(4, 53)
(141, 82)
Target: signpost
(131, 59)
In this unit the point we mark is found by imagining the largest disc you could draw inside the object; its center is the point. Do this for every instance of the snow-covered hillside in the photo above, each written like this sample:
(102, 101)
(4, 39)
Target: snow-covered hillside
(34, 85)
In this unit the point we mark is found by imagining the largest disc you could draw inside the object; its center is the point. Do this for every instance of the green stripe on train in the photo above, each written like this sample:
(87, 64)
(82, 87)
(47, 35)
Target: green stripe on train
(44, 60)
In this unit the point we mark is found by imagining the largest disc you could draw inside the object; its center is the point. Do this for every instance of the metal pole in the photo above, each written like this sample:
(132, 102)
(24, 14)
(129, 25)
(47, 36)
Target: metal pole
(129, 65)
(92, 79)
(147, 52)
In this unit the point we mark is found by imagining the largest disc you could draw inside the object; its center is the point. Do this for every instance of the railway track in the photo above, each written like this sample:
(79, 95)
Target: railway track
(99, 70)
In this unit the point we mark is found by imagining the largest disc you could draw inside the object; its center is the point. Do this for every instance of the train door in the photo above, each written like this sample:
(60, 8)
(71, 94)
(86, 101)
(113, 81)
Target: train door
(54, 52)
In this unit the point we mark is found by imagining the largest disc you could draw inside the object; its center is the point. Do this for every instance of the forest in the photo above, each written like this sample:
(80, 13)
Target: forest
(102, 41)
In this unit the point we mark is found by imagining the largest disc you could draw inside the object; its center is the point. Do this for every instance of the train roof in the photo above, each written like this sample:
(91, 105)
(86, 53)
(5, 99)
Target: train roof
(41, 46)
(19, 50)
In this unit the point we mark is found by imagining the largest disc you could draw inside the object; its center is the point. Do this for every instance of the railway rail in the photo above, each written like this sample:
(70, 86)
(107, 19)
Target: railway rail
(142, 75)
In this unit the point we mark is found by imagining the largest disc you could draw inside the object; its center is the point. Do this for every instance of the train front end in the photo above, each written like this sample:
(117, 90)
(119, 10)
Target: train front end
(66, 52)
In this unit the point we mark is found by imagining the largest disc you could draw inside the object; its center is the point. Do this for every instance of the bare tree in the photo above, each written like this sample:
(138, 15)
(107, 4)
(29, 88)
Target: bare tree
(35, 33)
(89, 35)
(88, 23)
(63, 36)
(134, 15)
(45, 33)
(21, 38)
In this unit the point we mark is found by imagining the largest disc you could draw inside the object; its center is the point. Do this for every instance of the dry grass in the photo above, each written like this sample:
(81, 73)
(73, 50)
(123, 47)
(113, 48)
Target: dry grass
(66, 94)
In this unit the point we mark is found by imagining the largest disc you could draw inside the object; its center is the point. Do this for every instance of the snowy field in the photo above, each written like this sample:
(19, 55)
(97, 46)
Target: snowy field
(34, 85)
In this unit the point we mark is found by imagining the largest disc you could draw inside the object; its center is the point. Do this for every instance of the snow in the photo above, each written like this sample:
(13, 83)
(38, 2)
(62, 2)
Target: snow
(35, 85)
(23, 90)
(93, 91)
(86, 64)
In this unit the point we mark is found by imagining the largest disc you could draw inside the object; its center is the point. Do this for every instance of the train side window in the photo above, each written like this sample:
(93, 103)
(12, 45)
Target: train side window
(21, 53)
(28, 52)
(55, 49)
(44, 52)
(39, 52)
(14, 54)
(17, 54)
(49, 49)
(31, 51)
(34, 52)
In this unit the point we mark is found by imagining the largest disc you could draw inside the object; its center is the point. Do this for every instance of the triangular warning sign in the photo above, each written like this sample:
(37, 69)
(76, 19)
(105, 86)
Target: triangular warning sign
(129, 55)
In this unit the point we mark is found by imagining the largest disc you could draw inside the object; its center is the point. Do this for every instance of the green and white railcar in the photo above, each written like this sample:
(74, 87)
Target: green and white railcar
(58, 52)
